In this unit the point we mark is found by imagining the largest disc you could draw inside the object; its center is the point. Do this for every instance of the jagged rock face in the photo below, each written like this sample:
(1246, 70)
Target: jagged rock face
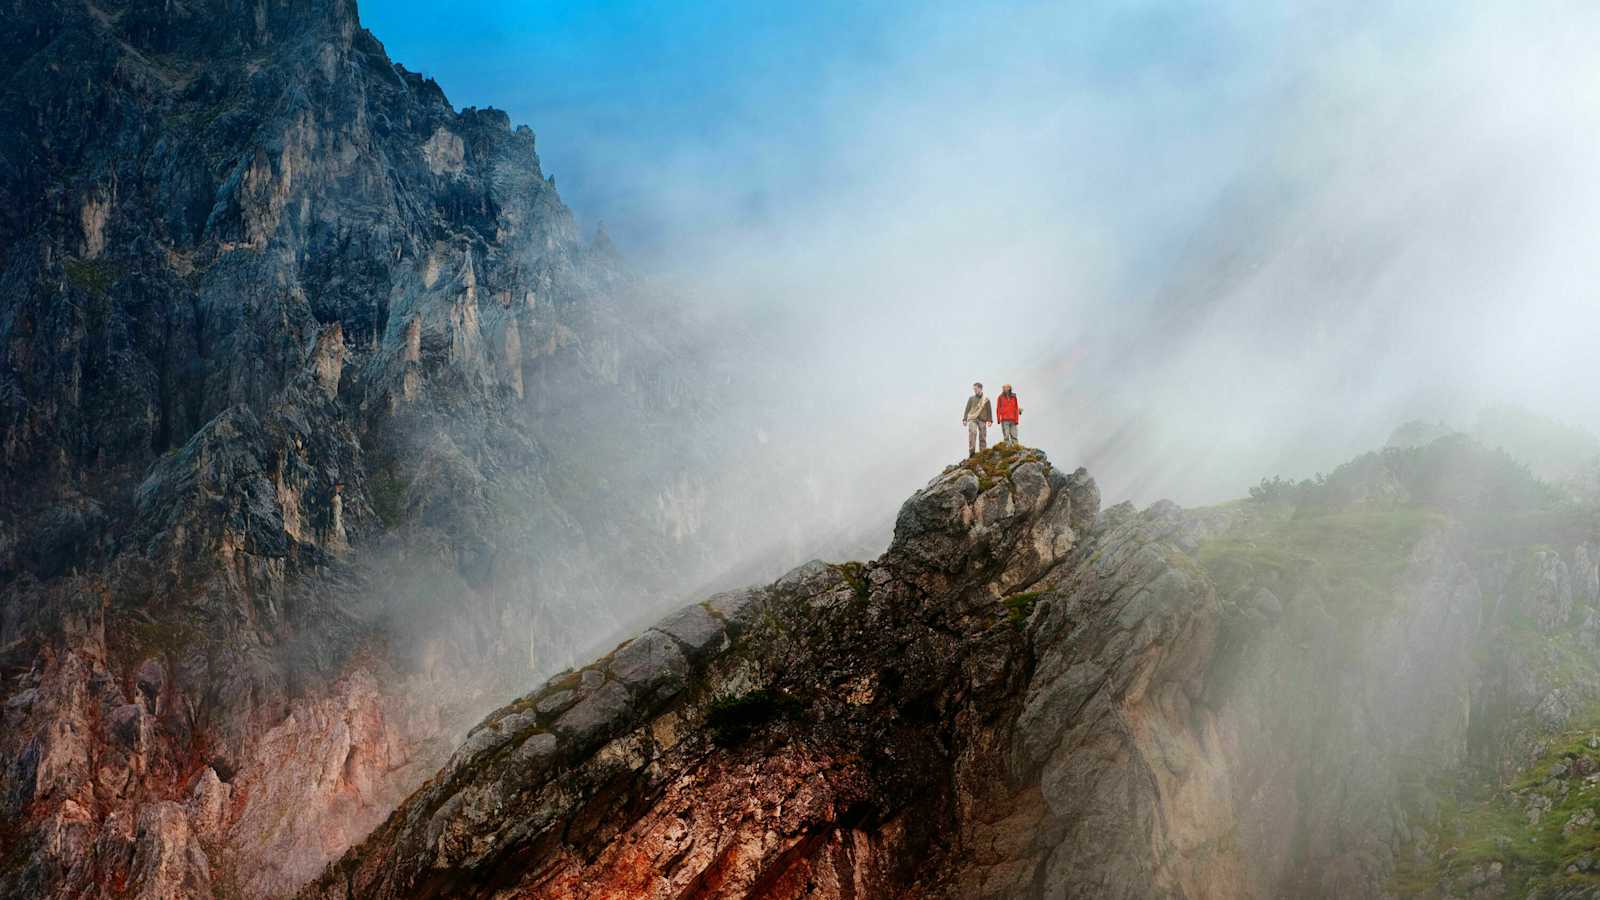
(816, 737)
(312, 405)
(302, 376)
(1021, 698)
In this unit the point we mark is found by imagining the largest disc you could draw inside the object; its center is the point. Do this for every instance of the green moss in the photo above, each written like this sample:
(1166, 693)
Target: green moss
(1558, 659)
(141, 639)
(995, 464)
(1020, 606)
(92, 276)
(564, 681)
(387, 491)
(1487, 824)
(1356, 556)
(732, 719)
(1454, 473)
(856, 574)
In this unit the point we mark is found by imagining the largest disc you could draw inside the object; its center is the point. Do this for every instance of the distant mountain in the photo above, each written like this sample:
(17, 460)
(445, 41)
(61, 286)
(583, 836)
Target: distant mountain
(1417, 433)
(1556, 451)
(1564, 455)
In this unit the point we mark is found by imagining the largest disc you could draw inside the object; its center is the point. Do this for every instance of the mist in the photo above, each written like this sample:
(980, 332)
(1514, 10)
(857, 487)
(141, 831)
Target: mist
(1207, 243)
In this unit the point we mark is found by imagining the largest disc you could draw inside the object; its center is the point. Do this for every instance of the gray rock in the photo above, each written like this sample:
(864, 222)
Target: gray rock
(1554, 711)
(1586, 574)
(1032, 488)
(650, 663)
(480, 740)
(1131, 741)
(936, 508)
(696, 627)
(1546, 585)
(994, 506)
(1085, 496)
(595, 714)
(808, 580)
(738, 608)
(22, 700)
(1267, 603)
(555, 702)
(538, 748)
(517, 723)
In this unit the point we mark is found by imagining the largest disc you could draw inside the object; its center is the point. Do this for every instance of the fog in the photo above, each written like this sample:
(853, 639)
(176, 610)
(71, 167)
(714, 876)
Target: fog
(1206, 243)
(1196, 271)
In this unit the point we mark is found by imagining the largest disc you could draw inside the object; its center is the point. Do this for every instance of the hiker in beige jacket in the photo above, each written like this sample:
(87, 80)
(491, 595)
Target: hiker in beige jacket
(977, 417)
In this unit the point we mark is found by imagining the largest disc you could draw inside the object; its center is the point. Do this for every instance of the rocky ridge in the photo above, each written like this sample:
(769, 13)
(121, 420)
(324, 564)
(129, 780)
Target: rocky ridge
(1024, 697)
(758, 741)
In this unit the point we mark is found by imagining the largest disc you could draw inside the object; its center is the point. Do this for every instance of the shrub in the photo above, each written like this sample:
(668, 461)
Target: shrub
(732, 719)
(1020, 606)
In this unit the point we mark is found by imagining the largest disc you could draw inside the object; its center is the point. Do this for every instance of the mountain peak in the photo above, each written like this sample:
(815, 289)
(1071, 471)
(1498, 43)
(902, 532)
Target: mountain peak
(835, 686)
(1019, 698)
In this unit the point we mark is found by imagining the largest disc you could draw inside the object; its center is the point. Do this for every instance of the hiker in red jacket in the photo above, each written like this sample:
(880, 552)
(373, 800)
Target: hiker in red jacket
(1008, 411)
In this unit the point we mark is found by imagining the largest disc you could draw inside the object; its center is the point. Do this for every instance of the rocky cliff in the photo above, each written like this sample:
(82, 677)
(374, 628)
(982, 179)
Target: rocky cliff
(322, 430)
(319, 428)
(1027, 696)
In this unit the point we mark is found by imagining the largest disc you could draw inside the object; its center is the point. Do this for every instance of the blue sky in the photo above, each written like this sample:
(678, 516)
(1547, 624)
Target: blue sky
(742, 101)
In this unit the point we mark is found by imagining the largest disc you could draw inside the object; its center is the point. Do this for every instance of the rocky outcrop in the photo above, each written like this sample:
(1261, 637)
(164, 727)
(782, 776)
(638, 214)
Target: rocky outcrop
(824, 731)
(1024, 697)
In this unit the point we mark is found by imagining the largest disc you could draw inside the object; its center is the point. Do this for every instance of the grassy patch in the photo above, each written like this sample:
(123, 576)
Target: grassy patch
(1356, 555)
(1487, 825)
(995, 464)
(733, 719)
(387, 491)
(1557, 659)
(1453, 473)
(856, 574)
(1020, 606)
(92, 276)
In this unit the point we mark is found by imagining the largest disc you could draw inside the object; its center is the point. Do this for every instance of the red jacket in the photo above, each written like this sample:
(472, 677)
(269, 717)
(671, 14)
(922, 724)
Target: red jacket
(1006, 408)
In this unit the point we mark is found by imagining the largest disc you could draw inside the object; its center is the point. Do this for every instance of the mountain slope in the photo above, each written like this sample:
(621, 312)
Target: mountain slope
(792, 724)
(317, 419)
(1022, 698)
